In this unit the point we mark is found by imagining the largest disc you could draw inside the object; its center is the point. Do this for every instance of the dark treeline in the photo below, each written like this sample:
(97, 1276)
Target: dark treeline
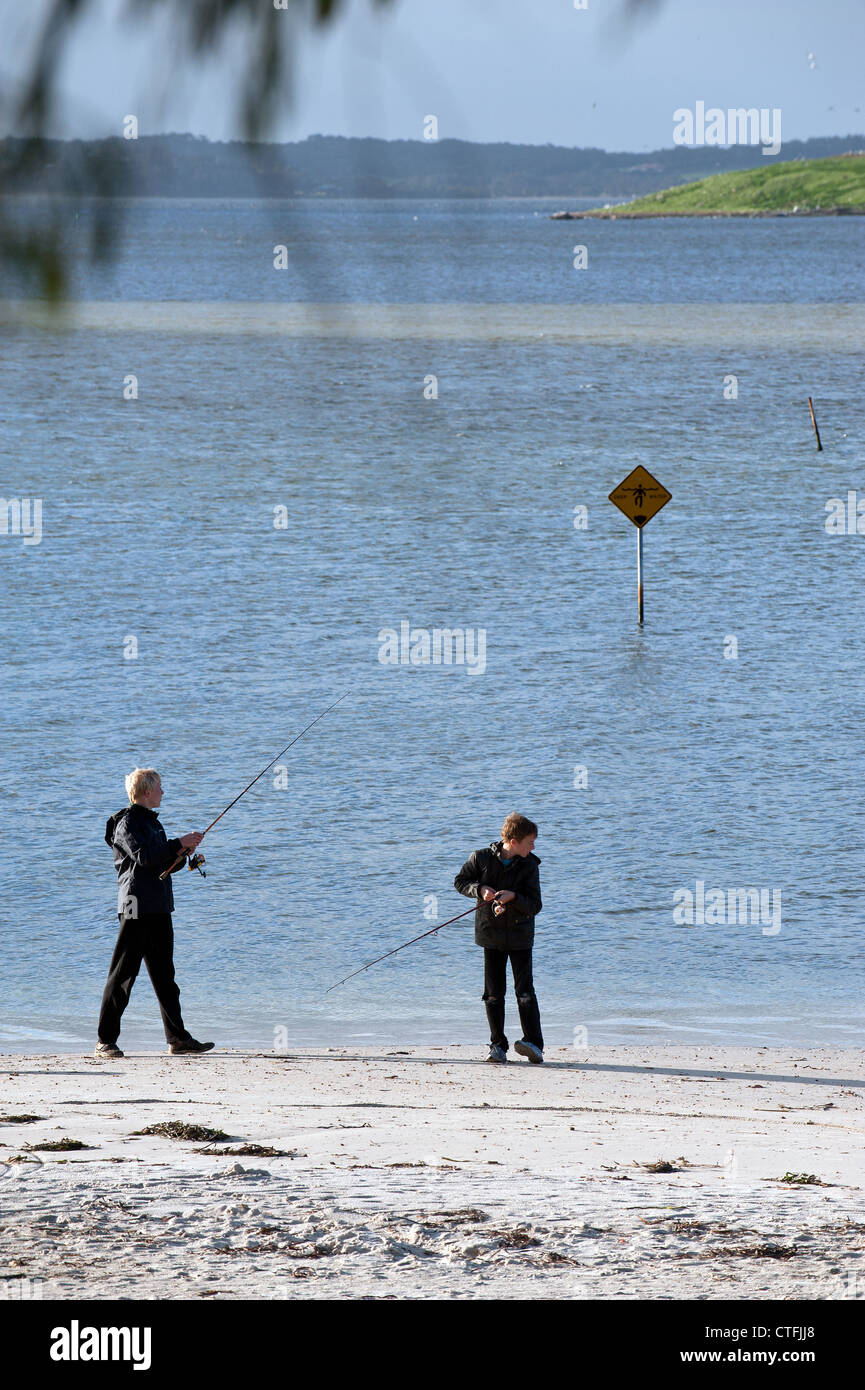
(187, 166)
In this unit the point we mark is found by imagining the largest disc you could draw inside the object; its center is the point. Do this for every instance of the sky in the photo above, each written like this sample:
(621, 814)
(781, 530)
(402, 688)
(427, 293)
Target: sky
(524, 71)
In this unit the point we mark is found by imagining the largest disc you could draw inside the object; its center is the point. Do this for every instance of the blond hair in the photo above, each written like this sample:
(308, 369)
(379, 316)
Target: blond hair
(517, 827)
(140, 781)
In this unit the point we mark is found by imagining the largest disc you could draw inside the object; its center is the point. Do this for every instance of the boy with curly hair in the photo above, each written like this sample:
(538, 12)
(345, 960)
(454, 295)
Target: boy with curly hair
(504, 879)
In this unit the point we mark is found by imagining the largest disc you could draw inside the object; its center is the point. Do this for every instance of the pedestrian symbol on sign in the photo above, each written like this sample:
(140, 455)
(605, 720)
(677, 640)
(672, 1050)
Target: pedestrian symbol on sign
(640, 497)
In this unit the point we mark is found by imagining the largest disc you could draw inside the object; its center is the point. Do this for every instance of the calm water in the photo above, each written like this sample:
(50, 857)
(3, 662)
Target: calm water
(456, 512)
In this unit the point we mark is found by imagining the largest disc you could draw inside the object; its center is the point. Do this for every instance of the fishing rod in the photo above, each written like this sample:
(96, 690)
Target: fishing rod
(432, 931)
(196, 860)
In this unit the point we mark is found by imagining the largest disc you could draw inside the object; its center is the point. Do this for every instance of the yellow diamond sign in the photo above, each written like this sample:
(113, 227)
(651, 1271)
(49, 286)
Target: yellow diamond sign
(639, 496)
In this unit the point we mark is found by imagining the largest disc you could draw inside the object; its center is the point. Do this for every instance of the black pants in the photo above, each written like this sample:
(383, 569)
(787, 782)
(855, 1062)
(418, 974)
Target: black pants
(150, 938)
(495, 984)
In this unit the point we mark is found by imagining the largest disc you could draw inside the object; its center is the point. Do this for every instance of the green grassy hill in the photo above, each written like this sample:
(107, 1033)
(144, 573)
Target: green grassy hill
(829, 185)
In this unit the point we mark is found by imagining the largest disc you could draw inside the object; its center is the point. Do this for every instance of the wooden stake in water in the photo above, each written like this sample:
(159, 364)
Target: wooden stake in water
(814, 423)
(640, 574)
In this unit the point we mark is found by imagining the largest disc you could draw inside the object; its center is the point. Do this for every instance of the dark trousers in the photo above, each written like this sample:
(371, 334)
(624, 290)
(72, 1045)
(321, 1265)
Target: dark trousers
(150, 938)
(495, 984)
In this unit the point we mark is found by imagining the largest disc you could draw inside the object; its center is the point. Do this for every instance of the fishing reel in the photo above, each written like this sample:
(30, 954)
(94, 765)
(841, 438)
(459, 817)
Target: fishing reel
(187, 856)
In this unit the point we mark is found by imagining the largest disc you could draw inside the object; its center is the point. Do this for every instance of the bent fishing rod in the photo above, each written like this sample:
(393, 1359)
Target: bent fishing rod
(432, 931)
(196, 860)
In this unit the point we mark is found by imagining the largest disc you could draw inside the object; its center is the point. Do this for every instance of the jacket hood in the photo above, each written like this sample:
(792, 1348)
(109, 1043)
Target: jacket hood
(496, 849)
(113, 821)
(111, 825)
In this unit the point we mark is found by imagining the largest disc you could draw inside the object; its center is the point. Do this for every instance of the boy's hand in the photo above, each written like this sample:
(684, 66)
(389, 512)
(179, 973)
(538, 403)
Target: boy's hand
(192, 840)
(498, 897)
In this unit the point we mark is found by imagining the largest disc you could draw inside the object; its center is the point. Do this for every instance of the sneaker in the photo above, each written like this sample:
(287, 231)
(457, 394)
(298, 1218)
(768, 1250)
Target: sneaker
(497, 1054)
(527, 1049)
(107, 1050)
(190, 1045)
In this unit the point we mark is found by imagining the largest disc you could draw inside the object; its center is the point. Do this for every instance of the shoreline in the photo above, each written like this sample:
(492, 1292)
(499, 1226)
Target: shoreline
(147, 1044)
(424, 1172)
(611, 215)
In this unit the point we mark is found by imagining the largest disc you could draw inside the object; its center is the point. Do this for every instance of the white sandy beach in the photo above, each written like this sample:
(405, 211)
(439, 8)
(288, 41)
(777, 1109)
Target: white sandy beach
(426, 1173)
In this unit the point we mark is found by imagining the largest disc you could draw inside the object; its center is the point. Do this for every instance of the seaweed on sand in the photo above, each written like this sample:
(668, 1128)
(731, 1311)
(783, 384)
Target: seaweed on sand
(178, 1129)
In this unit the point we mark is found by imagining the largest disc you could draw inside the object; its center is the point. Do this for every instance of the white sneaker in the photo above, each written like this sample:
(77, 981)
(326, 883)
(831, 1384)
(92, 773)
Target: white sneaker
(527, 1049)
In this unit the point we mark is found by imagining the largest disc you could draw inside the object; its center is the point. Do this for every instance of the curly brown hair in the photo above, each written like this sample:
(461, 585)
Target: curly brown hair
(517, 827)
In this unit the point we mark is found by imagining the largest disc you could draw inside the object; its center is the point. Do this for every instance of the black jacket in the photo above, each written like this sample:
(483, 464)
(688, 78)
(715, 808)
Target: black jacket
(141, 852)
(514, 930)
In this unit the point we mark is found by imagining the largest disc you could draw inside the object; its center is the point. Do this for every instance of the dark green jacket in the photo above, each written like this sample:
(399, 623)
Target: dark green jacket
(514, 930)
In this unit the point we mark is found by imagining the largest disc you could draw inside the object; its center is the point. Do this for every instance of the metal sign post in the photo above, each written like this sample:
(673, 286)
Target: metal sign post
(640, 496)
(640, 574)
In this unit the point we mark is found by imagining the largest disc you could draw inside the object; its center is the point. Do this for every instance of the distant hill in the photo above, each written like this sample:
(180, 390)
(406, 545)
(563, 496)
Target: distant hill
(833, 185)
(331, 166)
